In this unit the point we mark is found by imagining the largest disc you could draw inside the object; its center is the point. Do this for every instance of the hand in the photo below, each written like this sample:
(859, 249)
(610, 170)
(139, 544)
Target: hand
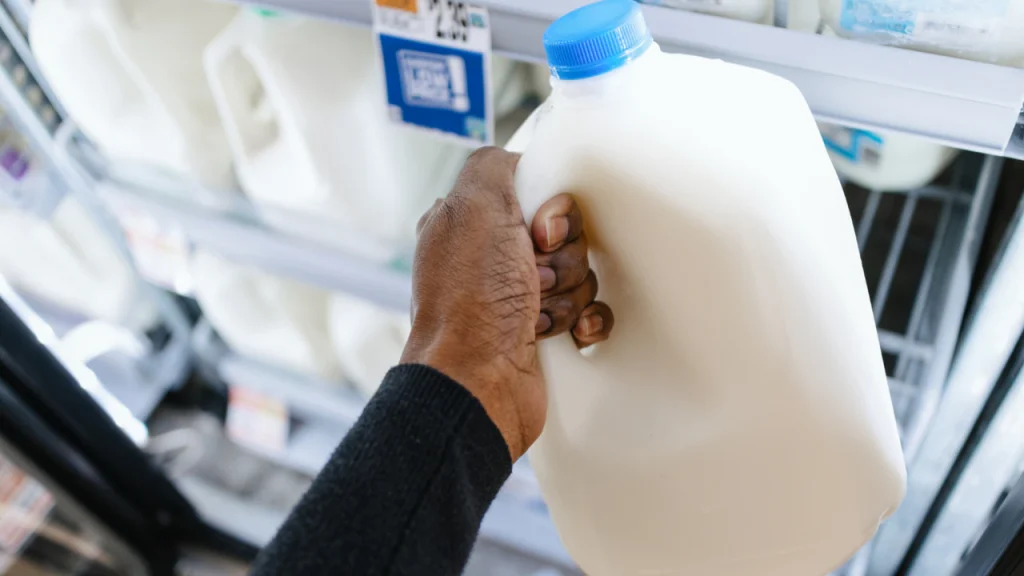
(486, 288)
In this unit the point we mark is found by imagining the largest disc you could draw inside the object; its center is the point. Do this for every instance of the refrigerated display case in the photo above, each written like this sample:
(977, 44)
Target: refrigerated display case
(953, 369)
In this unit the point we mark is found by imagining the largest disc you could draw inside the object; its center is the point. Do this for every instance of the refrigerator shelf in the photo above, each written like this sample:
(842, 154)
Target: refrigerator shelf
(963, 104)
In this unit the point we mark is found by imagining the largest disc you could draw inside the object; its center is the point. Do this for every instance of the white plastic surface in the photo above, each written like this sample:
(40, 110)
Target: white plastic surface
(368, 340)
(984, 30)
(760, 11)
(130, 73)
(303, 104)
(272, 319)
(738, 422)
(69, 261)
(884, 161)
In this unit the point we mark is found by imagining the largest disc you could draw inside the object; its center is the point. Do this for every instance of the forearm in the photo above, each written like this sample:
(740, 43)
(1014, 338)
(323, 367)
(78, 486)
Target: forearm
(405, 491)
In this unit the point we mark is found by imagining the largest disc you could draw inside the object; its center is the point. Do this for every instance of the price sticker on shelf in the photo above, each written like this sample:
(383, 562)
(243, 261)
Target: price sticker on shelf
(160, 249)
(437, 67)
(257, 421)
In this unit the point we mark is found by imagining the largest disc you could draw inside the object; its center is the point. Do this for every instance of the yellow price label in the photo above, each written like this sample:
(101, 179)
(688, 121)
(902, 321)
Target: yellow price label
(407, 5)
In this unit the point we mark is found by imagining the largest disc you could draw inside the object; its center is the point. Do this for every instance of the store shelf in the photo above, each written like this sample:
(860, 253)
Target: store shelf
(964, 104)
(992, 332)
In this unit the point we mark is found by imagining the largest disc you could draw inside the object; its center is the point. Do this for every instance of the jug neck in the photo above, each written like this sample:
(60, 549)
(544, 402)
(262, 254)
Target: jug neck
(624, 75)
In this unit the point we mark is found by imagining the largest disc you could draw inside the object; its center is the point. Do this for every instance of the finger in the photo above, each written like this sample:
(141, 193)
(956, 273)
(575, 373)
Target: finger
(595, 324)
(558, 222)
(565, 268)
(427, 216)
(489, 171)
(563, 310)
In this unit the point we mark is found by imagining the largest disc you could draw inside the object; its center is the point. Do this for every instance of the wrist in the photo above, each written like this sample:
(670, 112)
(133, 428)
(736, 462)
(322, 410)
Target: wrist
(489, 381)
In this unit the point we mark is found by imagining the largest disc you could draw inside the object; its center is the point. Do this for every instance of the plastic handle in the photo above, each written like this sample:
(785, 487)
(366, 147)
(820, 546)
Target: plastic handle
(244, 102)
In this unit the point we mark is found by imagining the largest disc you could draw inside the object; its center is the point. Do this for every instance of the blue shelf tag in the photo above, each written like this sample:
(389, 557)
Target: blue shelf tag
(437, 67)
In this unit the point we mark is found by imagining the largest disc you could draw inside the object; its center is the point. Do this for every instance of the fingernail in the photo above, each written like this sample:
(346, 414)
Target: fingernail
(543, 323)
(548, 279)
(590, 324)
(557, 230)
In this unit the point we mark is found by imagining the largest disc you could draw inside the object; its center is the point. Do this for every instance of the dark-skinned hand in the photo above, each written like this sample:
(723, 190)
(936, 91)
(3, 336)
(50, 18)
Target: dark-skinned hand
(487, 287)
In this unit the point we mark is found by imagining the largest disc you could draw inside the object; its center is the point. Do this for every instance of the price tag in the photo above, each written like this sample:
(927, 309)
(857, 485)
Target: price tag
(257, 421)
(160, 250)
(24, 506)
(437, 66)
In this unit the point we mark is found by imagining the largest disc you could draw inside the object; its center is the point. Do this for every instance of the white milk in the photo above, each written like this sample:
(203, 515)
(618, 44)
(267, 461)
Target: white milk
(738, 421)
(986, 30)
(69, 261)
(367, 339)
(883, 160)
(276, 320)
(760, 11)
(130, 73)
(303, 104)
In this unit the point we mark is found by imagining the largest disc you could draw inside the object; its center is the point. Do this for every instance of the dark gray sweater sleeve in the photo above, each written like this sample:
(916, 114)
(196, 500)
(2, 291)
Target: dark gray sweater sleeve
(405, 491)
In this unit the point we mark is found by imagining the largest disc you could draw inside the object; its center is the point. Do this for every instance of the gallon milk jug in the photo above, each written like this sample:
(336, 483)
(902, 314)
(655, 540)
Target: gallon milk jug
(368, 340)
(884, 161)
(69, 261)
(738, 422)
(272, 319)
(303, 103)
(760, 11)
(130, 73)
(985, 30)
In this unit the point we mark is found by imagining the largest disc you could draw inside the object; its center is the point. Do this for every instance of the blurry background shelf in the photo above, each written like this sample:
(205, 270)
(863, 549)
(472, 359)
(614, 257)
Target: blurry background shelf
(963, 104)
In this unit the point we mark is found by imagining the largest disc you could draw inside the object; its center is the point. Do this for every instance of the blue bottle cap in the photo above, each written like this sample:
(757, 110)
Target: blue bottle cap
(596, 38)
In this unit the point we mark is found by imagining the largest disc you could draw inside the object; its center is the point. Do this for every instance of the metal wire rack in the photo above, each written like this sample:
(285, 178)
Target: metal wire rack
(918, 248)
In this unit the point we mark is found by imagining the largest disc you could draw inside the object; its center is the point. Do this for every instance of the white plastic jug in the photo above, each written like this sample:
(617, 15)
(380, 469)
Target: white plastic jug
(69, 261)
(276, 320)
(303, 104)
(985, 30)
(738, 421)
(760, 11)
(129, 72)
(368, 340)
(882, 160)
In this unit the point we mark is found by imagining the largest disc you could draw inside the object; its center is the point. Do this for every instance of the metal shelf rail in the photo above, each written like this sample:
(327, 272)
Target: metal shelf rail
(963, 104)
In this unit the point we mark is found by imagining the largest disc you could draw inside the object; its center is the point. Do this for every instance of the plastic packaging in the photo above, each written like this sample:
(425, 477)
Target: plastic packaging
(882, 160)
(368, 340)
(985, 30)
(129, 73)
(69, 261)
(759, 11)
(276, 320)
(302, 101)
(738, 421)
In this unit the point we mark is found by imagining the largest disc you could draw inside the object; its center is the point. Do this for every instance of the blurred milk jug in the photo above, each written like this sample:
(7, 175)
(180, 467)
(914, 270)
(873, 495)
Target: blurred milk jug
(276, 320)
(760, 11)
(303, 104)
(738, 421)
(368, 340)
(985, 30)
(884, 161)
(130, 73)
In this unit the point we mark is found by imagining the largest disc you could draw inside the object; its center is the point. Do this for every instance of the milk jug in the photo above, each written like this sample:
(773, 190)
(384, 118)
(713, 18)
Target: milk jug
(985, 30)
(276, 320)
(129, 72)
(738, 421)
(303, 104)
(760, 11)
(367, 339)
(882, 160)
(69, 261)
